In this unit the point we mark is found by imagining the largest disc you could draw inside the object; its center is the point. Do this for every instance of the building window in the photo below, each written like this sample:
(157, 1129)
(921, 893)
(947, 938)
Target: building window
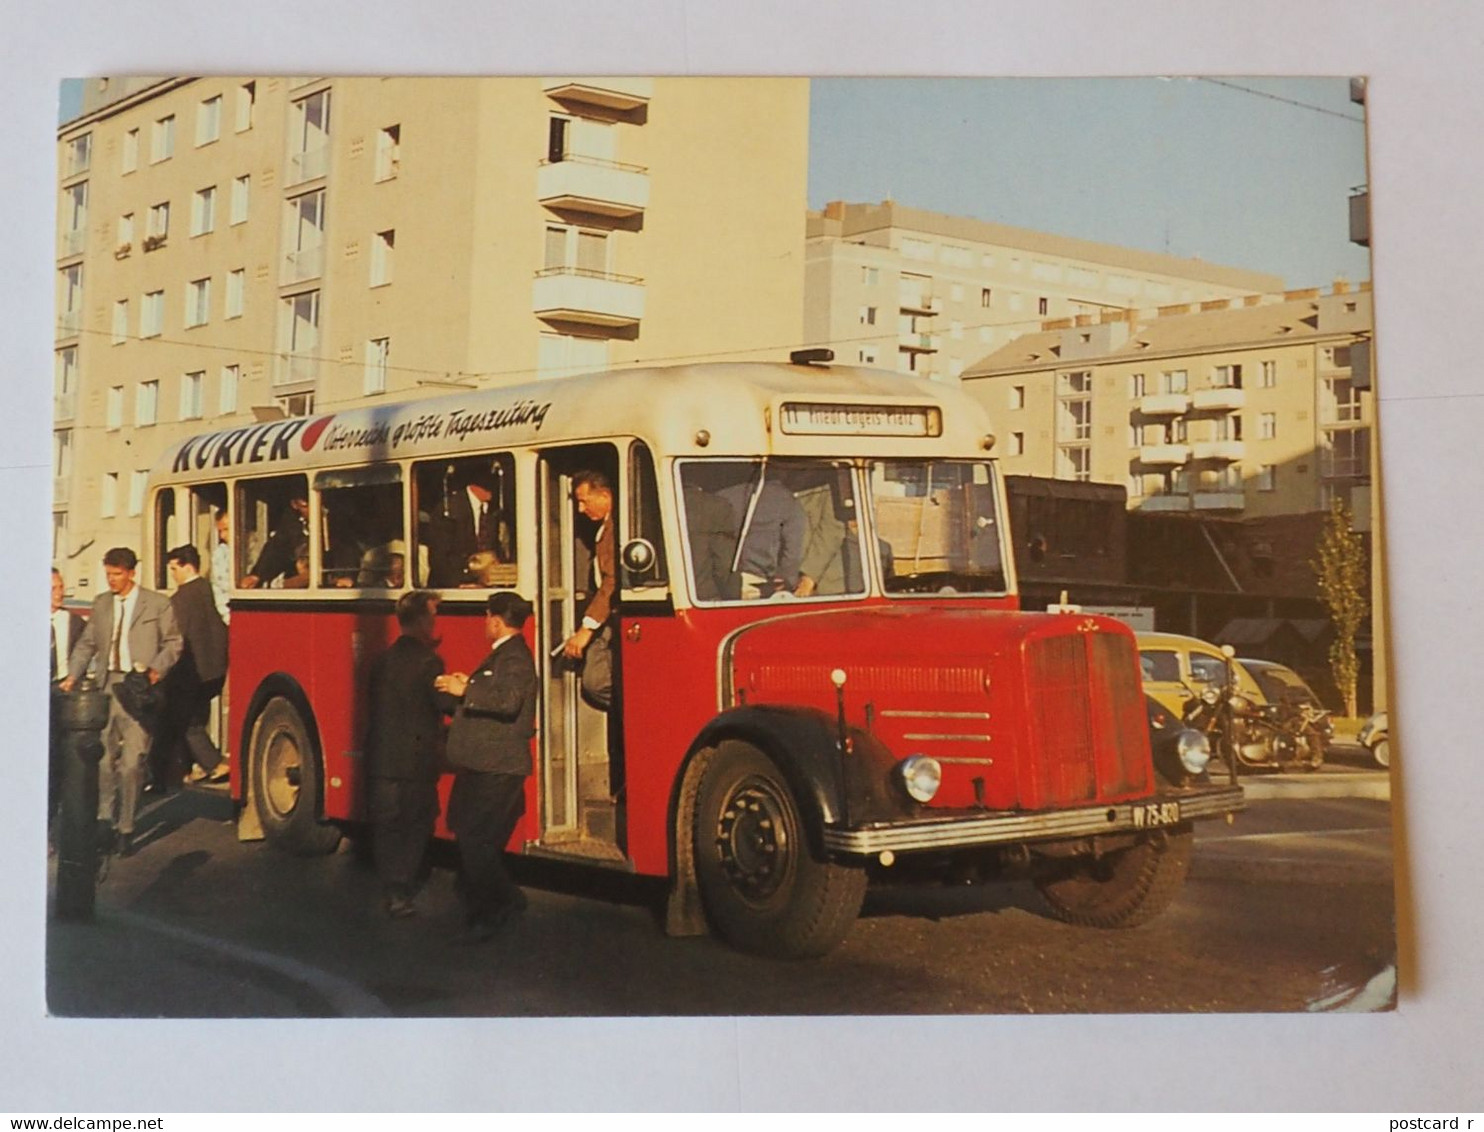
(115, 417)
(191, 395)
(296, 404)
(146, 403)
(867, 355)
(240, 188)
(247, 96)
(203, 211)
(79, 155)
(198, 302)
(1267, 426)
(138, 480)
(383, 249)
(1074, 418)
(1043, 305)
(131, 151)
(870, 276)
(1266, 478)
(120, 321)
(1017, 444)
(309, 138)
(76, 204)
(306, 236)
(580, 248)
(986, 297)
(1136, 385)
(108, 501)
(209, 120)
(1176, 431)
(1269, 374)
(227, 395)
(1135, 435)
(1229, 427)
(1347, 452)
(162, 139)
(236, 284)
(152, 315)
(1226, 377)
(378, 350)
(1074, 462)
(66, 390)
(299, 338)
(158, 229)
(71, 301)
(1017, 396)
(1175, 381)
(125, 237)
(388, 152)
(1344, 399)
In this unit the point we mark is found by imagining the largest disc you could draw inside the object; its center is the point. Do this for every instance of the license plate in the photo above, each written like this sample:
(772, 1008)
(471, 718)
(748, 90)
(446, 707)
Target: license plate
(1148, 815)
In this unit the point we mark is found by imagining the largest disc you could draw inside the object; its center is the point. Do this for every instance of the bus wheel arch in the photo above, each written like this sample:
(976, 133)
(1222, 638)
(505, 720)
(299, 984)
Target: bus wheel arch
(764, 885)
(286, 770)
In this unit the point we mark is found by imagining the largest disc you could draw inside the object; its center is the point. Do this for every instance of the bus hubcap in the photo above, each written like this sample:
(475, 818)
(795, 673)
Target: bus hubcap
(281, 774)
(752, 839)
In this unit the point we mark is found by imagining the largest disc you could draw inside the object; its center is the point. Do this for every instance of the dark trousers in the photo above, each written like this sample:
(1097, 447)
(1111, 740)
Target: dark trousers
(184, 724)
(482, 813)
(403, 811)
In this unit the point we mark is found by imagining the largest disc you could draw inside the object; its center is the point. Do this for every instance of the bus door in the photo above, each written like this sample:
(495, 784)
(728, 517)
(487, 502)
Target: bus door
(580, 770)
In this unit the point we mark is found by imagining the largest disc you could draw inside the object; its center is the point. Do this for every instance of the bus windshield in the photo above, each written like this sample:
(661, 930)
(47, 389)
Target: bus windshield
(937, 526)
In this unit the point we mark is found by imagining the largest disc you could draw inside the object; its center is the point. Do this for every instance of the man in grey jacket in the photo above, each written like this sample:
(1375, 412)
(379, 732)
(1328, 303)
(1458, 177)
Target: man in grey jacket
(131, 628)
(489, 746)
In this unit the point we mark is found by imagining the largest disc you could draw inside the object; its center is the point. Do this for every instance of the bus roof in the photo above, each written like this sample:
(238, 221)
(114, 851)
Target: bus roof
(745, 409)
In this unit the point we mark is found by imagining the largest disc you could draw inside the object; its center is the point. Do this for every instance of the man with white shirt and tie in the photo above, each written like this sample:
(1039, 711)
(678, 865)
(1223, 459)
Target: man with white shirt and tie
(66, 628)
(130, 628)
(473, 523)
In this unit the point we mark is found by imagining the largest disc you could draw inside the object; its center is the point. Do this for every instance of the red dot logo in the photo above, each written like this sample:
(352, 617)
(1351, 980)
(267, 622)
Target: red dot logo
(311, 434)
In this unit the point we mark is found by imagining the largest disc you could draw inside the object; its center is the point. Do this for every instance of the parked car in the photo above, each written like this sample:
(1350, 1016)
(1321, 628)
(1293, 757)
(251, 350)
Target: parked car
(1299, 711)
(1279, 683)
(1177, 669)
(1375, 737)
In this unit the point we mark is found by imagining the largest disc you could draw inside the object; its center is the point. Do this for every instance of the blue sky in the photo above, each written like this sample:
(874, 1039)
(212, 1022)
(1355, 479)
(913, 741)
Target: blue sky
(1191, 167)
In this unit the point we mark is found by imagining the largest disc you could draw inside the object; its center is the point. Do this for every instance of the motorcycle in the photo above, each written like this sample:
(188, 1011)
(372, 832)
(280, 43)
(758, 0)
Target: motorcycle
(1245, 733)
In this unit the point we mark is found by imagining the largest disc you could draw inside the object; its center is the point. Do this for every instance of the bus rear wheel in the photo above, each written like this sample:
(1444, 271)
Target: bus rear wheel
(763, 889)
(1122, 889)
(286, 782)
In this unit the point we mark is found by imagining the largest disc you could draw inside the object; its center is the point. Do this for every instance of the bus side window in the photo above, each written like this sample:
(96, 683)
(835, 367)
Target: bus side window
(644, 518)
(272, 532)
(208, 504)
(362, 543)
(466, 522)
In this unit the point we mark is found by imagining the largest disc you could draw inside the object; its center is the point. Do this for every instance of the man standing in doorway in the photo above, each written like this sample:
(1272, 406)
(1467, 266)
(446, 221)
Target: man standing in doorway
(221, 566)
(403, 727)
(197, 679)
(130, 629)
(593, 641)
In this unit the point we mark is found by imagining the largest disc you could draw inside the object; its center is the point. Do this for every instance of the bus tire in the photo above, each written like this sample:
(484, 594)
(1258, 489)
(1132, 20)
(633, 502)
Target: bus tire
(763, 889)
(287, 782)
(1122, 889)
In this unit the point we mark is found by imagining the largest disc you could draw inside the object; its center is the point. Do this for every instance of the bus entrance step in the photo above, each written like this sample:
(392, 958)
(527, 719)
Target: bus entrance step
(598, 821)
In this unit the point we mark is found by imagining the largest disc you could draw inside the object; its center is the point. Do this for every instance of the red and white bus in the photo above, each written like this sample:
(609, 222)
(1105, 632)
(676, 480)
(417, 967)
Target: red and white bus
(872, 706)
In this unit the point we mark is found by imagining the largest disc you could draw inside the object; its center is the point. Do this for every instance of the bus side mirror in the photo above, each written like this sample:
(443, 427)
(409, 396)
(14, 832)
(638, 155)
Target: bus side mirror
(638, 556)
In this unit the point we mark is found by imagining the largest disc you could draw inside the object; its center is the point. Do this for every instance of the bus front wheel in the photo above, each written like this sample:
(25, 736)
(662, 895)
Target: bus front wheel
(286, 782)
(764, 891)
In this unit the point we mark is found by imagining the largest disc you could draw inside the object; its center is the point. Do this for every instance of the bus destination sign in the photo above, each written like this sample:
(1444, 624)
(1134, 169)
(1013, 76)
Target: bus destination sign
(805, 418)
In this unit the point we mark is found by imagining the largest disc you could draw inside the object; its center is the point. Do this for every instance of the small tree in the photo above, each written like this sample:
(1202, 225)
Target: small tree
(1341, 570)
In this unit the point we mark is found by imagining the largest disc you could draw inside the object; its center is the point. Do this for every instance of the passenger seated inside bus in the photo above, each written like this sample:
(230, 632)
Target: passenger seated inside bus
(276, 559)
(466, 511)
(361, 523)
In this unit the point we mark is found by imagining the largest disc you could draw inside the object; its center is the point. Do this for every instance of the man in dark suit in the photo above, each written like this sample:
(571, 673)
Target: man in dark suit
(404, 725)
(66, 628)
(130, 629)
(276, 560)
(489, 746)
(471, 523)
(198, 677)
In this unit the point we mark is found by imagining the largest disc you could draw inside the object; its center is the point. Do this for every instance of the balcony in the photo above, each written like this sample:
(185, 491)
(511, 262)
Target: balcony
(74, 242)
(69, 323)
(306, 263)
(1164, 503)
(1164, 404)
(612, 93)
(917, 302)
(594, 298)
(1218, 450)
(1169, 455)
(589, 184)
(295, 370)
(1221, 499)
(920, 343)
(308, 165)
(1229, 397)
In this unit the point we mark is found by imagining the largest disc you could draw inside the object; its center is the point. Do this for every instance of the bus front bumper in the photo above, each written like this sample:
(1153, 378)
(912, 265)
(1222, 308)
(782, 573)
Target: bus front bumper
(963, 830)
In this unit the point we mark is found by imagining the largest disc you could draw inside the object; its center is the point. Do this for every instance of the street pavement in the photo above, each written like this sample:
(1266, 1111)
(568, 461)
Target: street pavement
(130, 963)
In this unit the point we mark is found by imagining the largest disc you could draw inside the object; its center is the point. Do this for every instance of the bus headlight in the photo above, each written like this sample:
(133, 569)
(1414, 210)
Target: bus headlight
(1194, 750)
(921, 776)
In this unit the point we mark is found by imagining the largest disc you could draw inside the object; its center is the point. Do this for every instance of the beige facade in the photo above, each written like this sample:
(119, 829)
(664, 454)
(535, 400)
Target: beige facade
(918, 291)
(1244, 408)
(232, 248)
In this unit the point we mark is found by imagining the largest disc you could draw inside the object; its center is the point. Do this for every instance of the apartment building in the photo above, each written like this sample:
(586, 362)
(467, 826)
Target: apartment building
(237, 248)
(1240, 408)
(926, 293)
